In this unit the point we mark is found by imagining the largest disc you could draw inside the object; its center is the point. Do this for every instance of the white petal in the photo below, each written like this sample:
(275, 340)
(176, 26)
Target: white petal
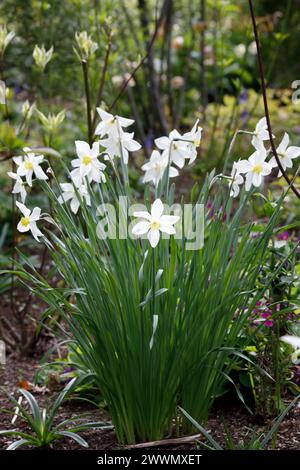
(39, 173)
(169, 219)
(248, 183)
(133, 145)
(105, 116)
(177, 159)
(140, 228)
(173, 172)
(124, 122)
(262, 124)
(153, 237)
(166, 228)
(22, 228)
(35, 231)
(82, 148)
(162, 143)
(267, 168)
(256, 179)
(95, 150)
(35, 215)
(157, 209)
(284, 143)
(25, 211)
(243, 166)
(293, 152)
(273, 162)
(142, 215)
(74, 205)
(29, 177)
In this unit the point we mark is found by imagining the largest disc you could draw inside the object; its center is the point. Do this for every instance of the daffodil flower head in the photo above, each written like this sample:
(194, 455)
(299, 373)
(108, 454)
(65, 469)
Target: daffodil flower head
(156, 167)
(19, 187)
(29, 166)
(71, 192)
(28, 220)
(255, 168)
(87, 163)
(285, 153)
(111, 125)
(236, 180)
(154, 223)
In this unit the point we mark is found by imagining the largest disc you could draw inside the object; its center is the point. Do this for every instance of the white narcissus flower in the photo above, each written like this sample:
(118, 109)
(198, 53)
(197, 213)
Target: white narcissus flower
(155, 222)
(29, 165)
(155, 168)
(261, 132)
(87, 165)
(19, 185)
(69, 194)
(111, 125)
(29, 220)
(236, 181)
(194, 136)
(285, 153)
(255, 168)
(120, 146)
(173, 147)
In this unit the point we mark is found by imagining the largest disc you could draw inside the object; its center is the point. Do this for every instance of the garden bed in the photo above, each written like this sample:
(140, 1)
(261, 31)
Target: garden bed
(227, 410)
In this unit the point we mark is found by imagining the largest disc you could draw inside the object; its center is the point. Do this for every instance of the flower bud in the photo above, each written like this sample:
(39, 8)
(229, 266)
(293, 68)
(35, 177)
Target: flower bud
(41, 56)
(27, 109)
(86, 46)
(5, 38)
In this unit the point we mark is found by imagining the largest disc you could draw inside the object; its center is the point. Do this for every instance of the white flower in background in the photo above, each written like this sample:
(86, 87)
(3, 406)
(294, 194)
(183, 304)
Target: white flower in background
(173, 147)
(41, 56)
(155, 168)
(255, 168)
(155, 222)
(235, 181)
(240, 50)
(111, 125)
(19, 187)
(177, 82)
(69, 194)
(5, 38)
(87, 164)
(87, 47)
(194, 136)
(261, 132)
(252, 48)
(285, 153)
(29, 165)
(2, 92)
(29, 220)
(120, 146)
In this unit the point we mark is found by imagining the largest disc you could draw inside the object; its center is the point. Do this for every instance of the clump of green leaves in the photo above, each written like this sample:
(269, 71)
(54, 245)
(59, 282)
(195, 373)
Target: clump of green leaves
(42, 422)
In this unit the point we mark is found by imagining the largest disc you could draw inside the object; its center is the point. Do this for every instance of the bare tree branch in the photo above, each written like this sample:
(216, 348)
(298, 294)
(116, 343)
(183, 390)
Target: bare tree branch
(264, 93)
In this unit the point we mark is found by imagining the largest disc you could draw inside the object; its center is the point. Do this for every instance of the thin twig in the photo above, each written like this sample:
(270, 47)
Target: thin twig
(88, 99)
(165, 442)
(102, 82)
(146, 56)
(264, 93)
(202, 54)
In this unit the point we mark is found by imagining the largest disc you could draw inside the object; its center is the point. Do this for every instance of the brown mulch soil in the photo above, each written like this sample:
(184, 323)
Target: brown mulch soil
(237, 420)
